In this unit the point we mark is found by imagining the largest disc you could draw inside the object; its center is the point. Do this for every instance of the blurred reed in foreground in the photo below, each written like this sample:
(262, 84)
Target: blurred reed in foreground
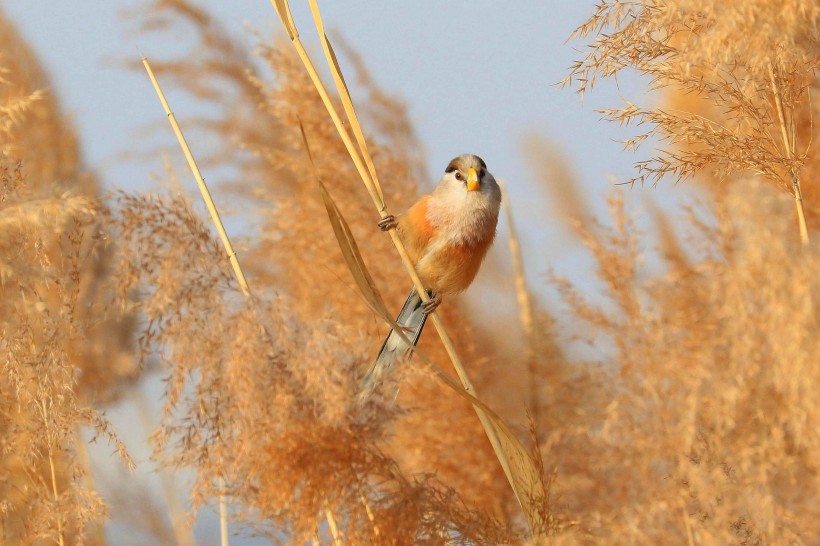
(63, 348)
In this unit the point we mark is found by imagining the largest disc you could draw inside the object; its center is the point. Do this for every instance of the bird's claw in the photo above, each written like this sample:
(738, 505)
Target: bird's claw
(430, 305)
(387, 223)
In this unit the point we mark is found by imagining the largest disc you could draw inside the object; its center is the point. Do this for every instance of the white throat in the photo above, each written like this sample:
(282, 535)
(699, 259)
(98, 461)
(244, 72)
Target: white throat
(464, 217)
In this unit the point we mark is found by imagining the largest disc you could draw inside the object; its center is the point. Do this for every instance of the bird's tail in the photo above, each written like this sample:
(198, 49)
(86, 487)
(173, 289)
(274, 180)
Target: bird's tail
(411, 319)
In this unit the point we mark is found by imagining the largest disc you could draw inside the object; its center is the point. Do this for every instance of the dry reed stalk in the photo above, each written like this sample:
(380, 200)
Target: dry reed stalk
(223, 515)
(283, 9)
(55, 491)
(525, 306)
(347, 103)
(368, 510)
(237, 269)
(203, 188)
(523, 478)
(791, 153)
(331, 525)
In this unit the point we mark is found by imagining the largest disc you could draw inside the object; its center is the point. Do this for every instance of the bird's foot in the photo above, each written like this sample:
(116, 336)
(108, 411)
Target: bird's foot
(430, 305)
(387, 223)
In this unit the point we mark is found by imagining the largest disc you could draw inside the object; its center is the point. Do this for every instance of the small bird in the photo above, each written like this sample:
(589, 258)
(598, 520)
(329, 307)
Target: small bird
(447, 235)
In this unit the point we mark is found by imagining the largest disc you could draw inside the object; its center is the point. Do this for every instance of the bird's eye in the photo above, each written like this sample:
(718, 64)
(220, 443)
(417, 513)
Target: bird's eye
(481, 174)
(458, 176)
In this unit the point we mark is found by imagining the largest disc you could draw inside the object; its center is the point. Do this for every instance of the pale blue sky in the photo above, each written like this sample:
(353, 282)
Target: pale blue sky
(477, 75)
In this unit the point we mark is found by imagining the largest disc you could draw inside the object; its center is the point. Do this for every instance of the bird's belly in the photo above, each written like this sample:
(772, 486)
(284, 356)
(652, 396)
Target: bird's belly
(451, 269)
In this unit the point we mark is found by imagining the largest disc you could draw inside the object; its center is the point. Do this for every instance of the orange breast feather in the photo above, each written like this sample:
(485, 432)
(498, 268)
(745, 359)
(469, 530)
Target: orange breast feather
(415, 229)
(453, 268)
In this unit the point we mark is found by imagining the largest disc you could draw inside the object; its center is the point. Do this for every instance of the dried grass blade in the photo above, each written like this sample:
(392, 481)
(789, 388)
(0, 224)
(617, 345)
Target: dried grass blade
(521, 471)
(54, 488)
(347, 243)
(344, 94)
(283, 10)
(367, 509)
(526, 479)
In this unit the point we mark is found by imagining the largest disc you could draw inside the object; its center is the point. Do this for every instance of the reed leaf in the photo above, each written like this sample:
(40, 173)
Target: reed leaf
(347, 243)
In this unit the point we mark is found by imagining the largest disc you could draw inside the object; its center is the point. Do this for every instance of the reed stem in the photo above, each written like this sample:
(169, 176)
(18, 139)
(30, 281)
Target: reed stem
(54, 489)
(226, 242)
(203, 188)
(789, 150)
(525, 306)
(331, 525)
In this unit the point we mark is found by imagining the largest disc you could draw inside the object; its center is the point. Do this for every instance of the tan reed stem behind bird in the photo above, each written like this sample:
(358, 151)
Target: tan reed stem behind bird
(522, 293)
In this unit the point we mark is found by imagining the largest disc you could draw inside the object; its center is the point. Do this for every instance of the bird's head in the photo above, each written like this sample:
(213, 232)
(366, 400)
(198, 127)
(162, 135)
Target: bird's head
(466, 199)
(468, 172)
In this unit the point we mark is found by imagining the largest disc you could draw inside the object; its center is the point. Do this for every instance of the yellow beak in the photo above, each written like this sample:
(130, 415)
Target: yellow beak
(472, 180)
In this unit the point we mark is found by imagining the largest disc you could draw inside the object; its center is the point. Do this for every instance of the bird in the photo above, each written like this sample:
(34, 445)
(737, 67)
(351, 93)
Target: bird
(447, 235)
